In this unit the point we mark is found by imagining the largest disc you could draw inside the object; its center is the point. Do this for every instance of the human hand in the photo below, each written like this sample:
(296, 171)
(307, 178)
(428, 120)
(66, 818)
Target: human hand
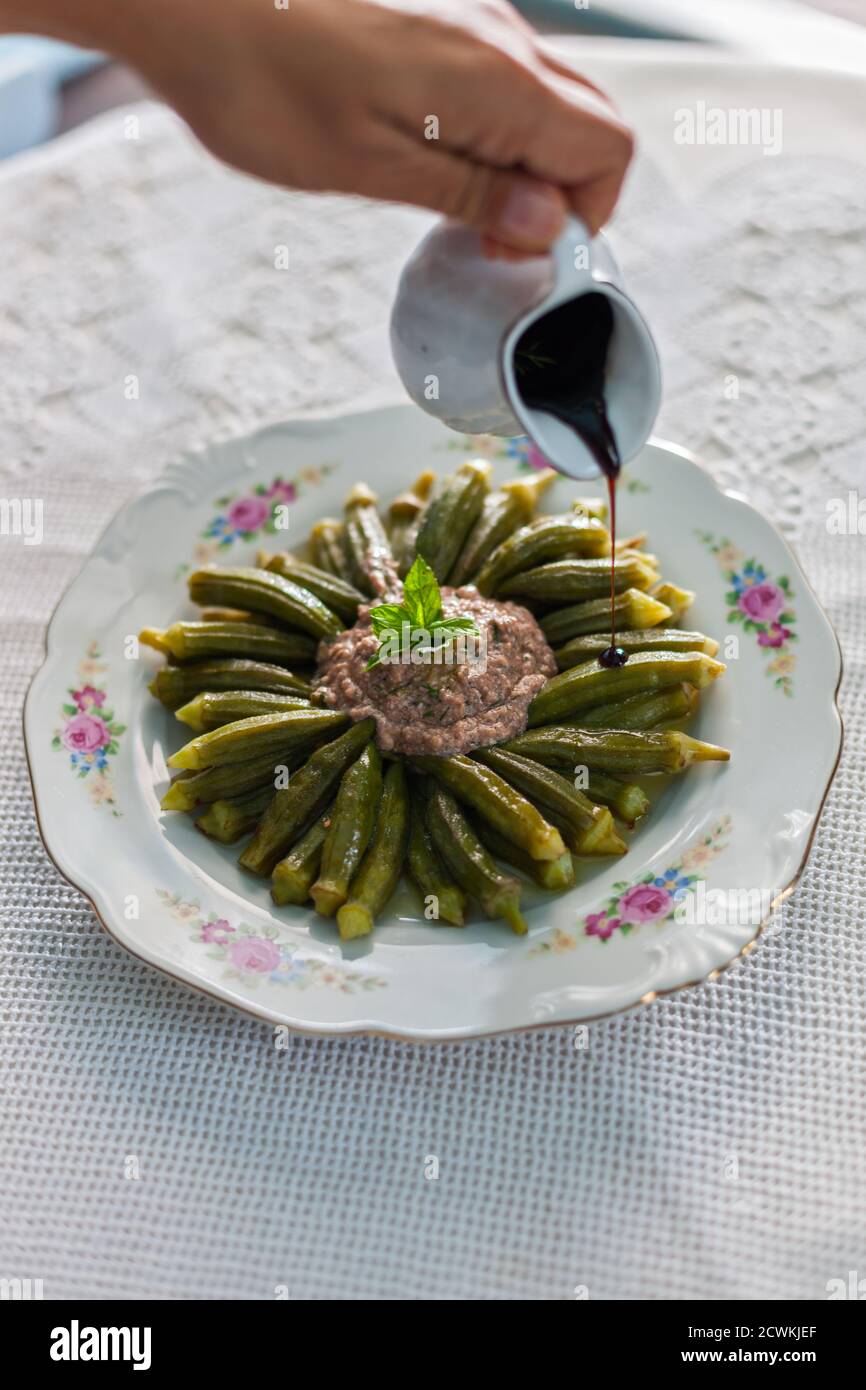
(447, 104)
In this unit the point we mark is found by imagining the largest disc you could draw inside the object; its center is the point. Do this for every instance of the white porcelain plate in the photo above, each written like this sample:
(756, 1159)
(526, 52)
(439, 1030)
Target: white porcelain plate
(722, 846)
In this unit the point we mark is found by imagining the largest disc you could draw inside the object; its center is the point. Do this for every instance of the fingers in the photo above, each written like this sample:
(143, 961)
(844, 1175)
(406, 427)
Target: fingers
(509, 208)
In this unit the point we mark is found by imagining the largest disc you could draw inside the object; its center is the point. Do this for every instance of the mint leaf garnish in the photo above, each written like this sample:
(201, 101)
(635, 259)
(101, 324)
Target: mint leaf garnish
(421, 595)
(420, 612)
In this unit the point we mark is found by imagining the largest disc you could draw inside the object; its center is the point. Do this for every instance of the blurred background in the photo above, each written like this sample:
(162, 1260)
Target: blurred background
(46, 88)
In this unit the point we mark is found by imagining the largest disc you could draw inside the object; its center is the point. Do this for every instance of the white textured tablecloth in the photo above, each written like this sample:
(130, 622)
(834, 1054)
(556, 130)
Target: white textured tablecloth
(710, 1145)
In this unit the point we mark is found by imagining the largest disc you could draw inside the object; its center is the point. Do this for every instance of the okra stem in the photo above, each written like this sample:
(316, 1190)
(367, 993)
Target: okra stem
(496, 802)
(470, 863)
(250, 738)
(567, 695)
(380, 868)
(308, 792)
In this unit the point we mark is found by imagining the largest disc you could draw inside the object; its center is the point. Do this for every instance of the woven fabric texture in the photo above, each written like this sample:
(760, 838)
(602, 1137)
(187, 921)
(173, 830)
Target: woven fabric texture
(709, 1145)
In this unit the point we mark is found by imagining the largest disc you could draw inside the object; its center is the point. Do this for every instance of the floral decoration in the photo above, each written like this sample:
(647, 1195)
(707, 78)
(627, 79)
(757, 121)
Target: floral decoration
(258, 512)
(259, 953)
(652, 898)
(761, 605)
(89, 731)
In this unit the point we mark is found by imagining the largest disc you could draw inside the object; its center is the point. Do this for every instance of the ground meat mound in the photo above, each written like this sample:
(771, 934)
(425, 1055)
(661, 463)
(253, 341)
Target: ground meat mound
(442, 708)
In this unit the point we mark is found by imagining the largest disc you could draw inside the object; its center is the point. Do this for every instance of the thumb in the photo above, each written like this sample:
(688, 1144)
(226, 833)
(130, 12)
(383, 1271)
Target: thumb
(511, 209)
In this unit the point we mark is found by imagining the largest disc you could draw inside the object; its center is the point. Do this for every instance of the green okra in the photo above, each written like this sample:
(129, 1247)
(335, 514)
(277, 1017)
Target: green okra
(402, 520)
(510, 506)
(676, 599)
(174, 686)
(556, 875)
(352, 820)
(567, 695)
(652, 639)
(632, 609)
(548, 538)
(452, 510)
(327, 547)
(470, 863)
(628, 801)
(615, 750)
(497, 802)
(294, 875)
(377, 877)
(228, 819)
(263, 591)
(586, 827)
(342, 598)
(371, 561)
(563, 581)
(199, 641)
(228, 781)
(591, 506)
(263, 733)
(429, 873)
(210, 709)
(642, 711)
(308, 792)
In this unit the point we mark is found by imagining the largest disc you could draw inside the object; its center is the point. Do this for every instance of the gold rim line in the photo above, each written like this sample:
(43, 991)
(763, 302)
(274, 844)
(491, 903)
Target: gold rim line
(393, 1036)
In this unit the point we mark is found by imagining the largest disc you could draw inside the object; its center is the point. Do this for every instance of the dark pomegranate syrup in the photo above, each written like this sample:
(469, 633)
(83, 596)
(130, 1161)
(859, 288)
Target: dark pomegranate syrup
(560, 363)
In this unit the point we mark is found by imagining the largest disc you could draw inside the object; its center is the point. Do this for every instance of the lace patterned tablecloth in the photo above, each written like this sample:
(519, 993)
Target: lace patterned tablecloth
(609, 1169)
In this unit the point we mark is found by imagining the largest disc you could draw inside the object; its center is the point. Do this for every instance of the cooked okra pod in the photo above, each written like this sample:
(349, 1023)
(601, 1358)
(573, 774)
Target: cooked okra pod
(506, 809)
(294, 876)
(512, 505)
(307, 794)
(428, 872)
(342, 598)
(591, 506)
(616, 750)
(352, 820)
(451, 512)
(632, 609)
(651, 639)
(642, 711)
(470, 863)
(228, 781)
(548, 538)
(327, 547)
(628, 801)
(567, 695)
(175, 685)
(553, 874)
(251, 738)
(228, 819)
(677, 599)
(193, 641)
(265, 592)
(213, 708)
(371, 561)
(402, 521)
(564, 580)
(380, 868)
(586, 827)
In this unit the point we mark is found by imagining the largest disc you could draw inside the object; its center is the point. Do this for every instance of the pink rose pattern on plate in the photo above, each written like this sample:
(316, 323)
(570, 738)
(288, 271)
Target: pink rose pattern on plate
(760, 605)
(246, 516)
(650, 899)
(258, 953)
(89, 731)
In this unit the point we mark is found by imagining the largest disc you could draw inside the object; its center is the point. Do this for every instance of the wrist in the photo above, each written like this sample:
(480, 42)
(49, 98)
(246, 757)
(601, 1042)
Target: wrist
(110, 25)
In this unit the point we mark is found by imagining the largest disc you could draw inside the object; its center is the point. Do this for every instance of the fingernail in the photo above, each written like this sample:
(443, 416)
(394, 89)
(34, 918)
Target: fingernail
(532, 214)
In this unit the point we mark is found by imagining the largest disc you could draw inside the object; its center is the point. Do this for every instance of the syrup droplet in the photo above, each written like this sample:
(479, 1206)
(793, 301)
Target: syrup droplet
(612, 657)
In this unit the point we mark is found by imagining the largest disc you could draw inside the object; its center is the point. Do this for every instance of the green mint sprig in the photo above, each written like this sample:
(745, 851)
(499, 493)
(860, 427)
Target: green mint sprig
(420, 611)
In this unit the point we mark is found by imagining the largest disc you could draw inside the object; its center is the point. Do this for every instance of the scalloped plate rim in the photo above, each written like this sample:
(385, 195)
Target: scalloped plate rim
(314, 427)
